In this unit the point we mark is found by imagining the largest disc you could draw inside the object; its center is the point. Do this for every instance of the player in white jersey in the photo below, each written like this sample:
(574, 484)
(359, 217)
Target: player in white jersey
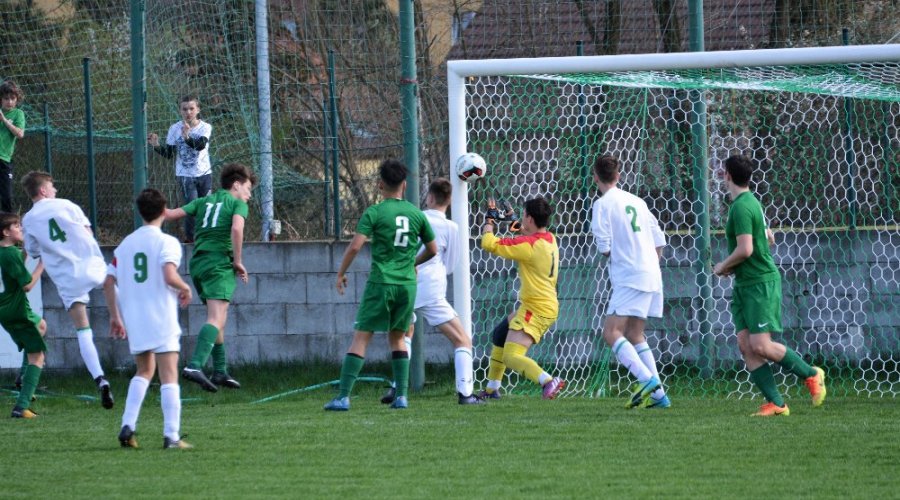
(143, 291)
(627, 232)
(431, 292)
(58, 233)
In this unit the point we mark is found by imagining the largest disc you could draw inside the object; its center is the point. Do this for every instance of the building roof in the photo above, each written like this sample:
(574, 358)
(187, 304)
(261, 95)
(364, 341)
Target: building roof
(544, 28)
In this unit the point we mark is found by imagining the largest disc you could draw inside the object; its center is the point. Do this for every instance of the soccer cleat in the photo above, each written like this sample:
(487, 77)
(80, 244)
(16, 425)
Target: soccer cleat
(658, 403)
(772, 410)
(642, 392)
(199, 378)
(23, 413)
(181, 444)
(400, 403)
(126, 438)
(486, 395)
(471, 399)
(389, 396)
(338, 404)
(223, 379)
(816, 386)
(106, 398)
(552, 388)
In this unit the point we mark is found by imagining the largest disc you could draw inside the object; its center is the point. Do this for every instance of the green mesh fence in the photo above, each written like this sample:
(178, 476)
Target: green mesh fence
(207, 48)
(827, 142)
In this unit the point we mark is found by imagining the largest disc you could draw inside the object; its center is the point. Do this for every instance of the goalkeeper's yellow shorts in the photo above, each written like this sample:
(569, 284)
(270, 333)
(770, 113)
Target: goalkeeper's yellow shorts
(533, 325)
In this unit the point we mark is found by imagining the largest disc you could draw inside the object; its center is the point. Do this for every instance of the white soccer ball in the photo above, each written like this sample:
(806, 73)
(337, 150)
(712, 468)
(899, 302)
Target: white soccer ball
(470, 167)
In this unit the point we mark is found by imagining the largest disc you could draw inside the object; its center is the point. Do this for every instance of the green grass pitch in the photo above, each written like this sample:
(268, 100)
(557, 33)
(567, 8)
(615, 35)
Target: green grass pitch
(519, 447)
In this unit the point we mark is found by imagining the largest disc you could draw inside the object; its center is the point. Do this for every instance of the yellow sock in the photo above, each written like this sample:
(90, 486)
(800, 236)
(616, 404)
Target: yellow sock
(514, 357)
(496, 368)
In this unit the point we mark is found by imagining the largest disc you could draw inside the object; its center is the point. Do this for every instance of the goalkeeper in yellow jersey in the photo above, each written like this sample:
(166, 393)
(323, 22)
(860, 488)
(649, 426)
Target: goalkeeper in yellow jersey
(537, 259)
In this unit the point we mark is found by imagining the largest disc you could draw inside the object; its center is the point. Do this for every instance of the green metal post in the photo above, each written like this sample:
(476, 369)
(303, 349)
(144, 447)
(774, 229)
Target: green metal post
(699, 155)
(336, 196)
(410, 123)
(889, 161)
(138, 102)
(48, 151)
(326, 172)
(89, 127)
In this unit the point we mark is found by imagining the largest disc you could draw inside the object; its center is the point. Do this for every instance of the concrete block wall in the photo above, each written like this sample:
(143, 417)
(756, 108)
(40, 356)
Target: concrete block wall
(289, 311)
(840, 297)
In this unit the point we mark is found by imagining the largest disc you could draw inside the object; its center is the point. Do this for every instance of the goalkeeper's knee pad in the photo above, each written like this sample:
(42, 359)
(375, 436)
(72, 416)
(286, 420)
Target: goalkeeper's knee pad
(498, 337)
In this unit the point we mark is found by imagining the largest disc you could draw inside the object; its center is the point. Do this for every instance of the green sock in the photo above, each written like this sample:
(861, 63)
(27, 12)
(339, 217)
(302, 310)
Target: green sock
(793, 363)
(220, 361)
(764, 379)
(400, 367)
(29, 385)
(205, 340)
(349, 372)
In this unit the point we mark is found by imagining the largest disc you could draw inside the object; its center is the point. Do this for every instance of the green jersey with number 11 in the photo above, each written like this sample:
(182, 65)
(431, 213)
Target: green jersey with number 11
(396, 229)
(212, 220)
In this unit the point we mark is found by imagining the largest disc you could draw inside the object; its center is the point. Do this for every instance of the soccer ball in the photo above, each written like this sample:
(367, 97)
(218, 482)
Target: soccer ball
(470, 167)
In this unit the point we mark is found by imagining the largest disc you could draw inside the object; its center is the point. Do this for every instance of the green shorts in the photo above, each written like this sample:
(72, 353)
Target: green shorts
(213, 276)
(25, 332)
(385, 308)
(757, 307)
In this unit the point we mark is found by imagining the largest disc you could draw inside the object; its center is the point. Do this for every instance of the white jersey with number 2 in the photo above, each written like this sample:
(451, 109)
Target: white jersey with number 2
(56, 231)
(624, 226)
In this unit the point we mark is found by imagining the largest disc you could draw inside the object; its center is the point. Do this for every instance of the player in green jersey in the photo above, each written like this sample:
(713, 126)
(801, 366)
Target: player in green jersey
(396, 230)
(217, 258)
(25, 327)
(756, 299)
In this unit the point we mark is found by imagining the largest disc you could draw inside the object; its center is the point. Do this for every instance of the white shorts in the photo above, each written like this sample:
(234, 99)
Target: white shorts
(635, 303)
(172, 343)
(436, 313)
(90, 275)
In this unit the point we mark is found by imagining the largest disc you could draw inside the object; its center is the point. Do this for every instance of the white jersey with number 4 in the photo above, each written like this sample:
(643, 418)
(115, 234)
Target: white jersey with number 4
(431, 275)
(624, 227)
(149, 307)
(56, 231)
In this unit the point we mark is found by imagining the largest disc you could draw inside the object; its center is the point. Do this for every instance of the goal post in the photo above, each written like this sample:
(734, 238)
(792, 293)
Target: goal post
(821, 125)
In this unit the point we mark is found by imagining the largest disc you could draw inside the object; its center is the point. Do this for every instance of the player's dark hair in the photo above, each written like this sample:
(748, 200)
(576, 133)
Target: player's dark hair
(606, 167)
(189, 98)
(539, 210)
(440, 189)
(7, 219)
(392, 173)
(236, 172)
(150, 204)
(9, 88)
(740, 168)
(32, 182)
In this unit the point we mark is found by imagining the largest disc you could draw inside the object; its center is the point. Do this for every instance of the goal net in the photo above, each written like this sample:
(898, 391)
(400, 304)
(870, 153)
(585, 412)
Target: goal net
(821, 125)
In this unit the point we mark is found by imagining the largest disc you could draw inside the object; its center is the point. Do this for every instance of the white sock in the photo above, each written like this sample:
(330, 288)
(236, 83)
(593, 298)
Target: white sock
(646, 355)
(465, 380)
(629, 358)
(544, 377)
(170, 398)
(494, 385)
(137, 389)
(89, 352)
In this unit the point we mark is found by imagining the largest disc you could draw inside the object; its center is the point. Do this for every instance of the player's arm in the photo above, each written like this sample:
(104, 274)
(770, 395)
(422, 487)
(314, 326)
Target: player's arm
(116, 326)
(173, 279)
(659, 237)
(353, 248)
(237, 246)
(35, 276)
(600, 228)
(174, 214)
(742, 251)
(429, 251)
(770, 237)
(196, 143)
(518, 248)
(17, 130)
